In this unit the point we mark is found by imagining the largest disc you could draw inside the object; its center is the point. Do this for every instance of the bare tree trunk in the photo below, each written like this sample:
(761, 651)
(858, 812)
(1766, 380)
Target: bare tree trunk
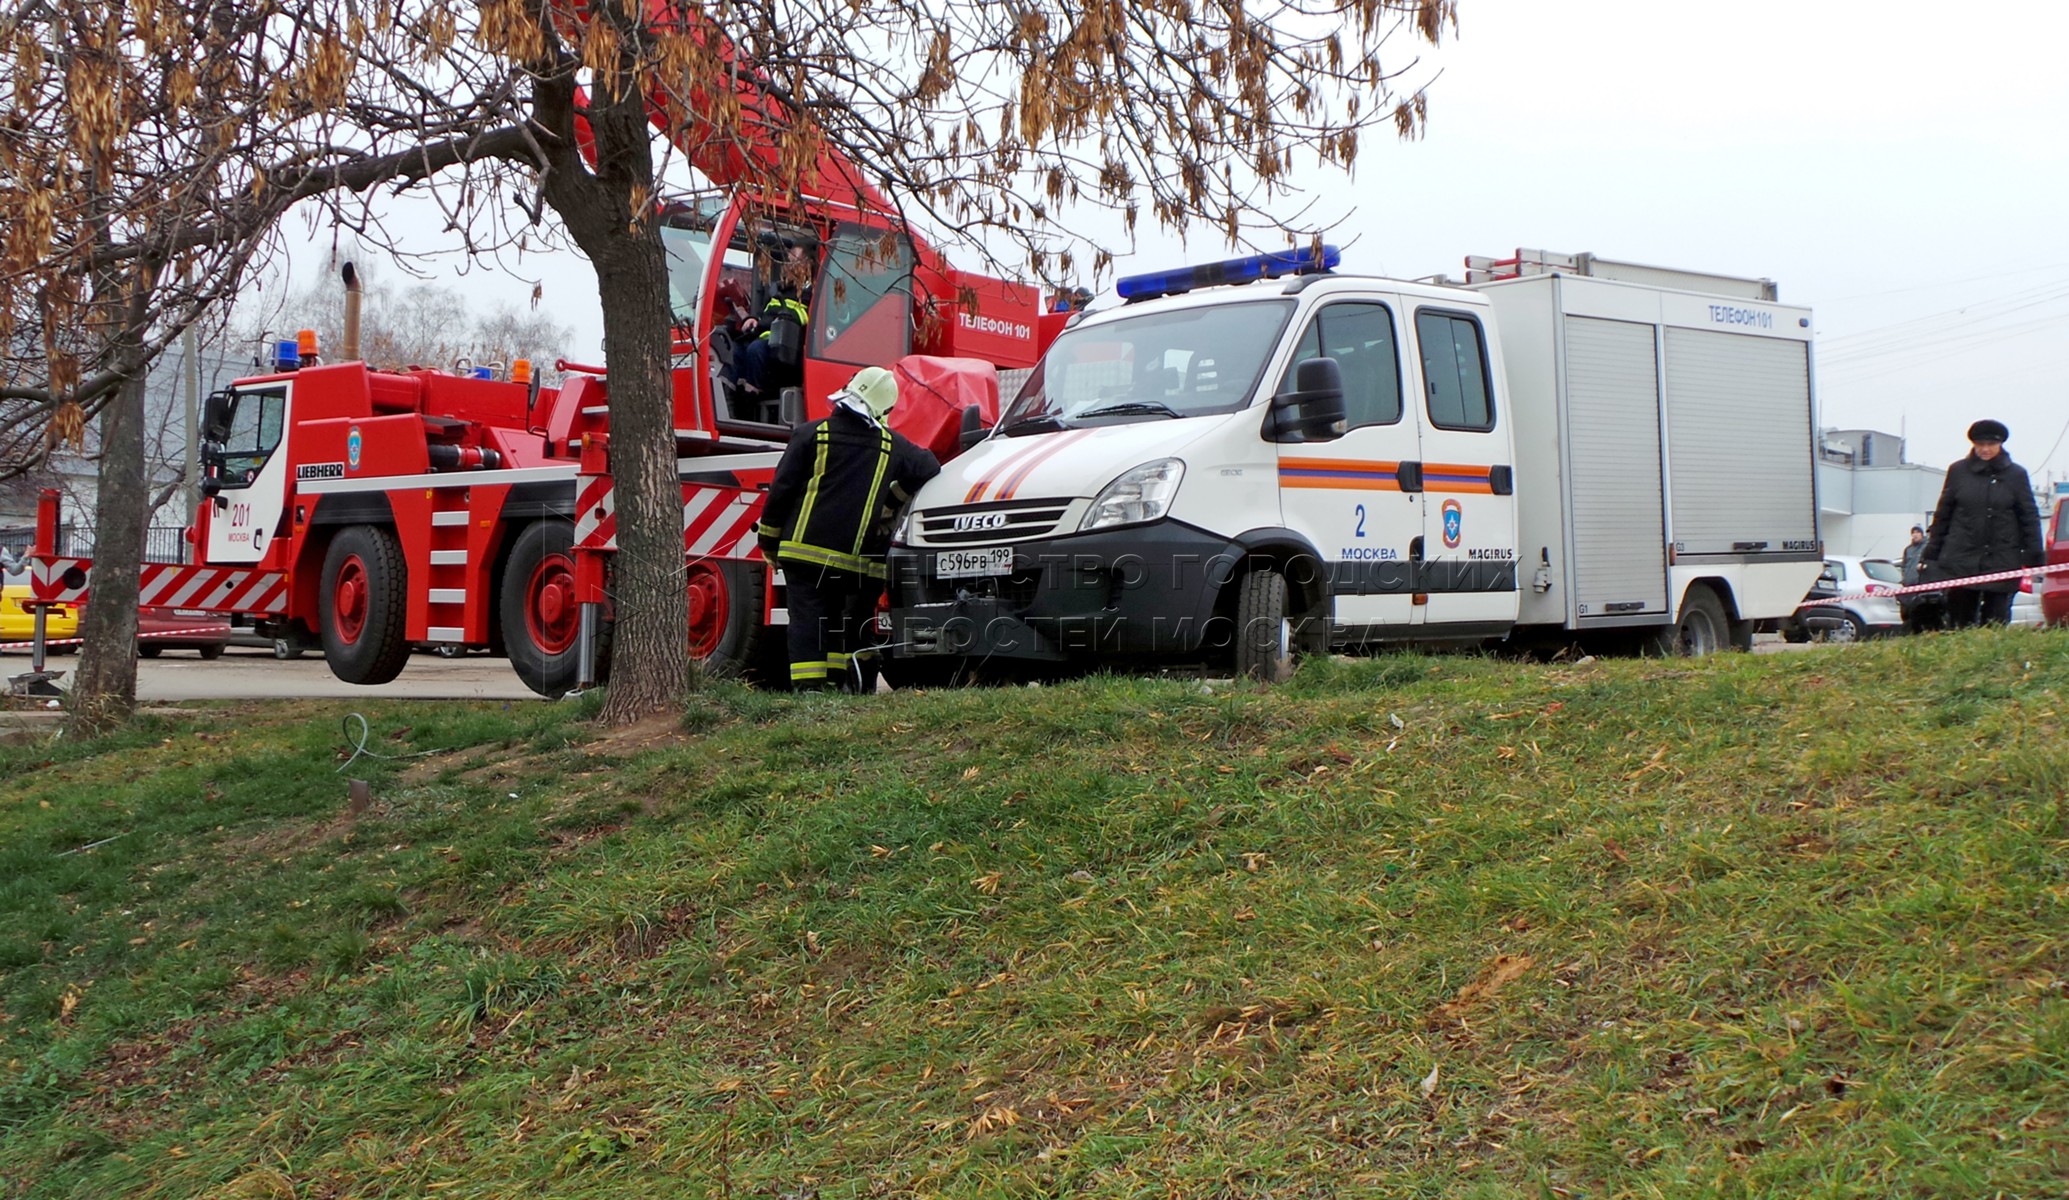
(104, 692)
(650, 652)
(610, 215)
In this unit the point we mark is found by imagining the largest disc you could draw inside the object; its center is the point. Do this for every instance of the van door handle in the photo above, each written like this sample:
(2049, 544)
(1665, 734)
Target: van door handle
(1409, 476)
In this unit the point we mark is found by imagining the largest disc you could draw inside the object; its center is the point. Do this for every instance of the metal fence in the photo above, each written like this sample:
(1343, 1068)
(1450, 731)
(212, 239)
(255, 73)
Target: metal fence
(167, 544)
(162, 543)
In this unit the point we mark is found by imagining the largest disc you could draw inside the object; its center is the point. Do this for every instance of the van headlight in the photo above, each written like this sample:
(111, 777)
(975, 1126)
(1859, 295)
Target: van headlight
(1141, 494)
(901, 527)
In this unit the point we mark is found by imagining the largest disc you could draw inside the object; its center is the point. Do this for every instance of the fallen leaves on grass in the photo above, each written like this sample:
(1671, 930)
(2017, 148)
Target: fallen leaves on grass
(1503, 971)
(991, 1119)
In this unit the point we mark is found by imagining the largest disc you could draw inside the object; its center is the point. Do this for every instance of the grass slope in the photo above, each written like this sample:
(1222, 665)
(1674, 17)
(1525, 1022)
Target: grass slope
(1787, 926)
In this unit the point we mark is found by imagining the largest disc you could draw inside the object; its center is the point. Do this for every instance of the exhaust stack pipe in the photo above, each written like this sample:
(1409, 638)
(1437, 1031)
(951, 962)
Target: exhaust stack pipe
(351, 347)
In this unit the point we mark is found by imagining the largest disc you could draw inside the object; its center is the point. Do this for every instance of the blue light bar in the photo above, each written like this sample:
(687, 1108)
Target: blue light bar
(1235, 270)
(287, 355)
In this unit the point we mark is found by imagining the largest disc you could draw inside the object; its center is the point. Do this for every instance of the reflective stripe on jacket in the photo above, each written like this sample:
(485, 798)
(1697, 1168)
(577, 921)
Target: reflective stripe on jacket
(782, 308)
(837, 481)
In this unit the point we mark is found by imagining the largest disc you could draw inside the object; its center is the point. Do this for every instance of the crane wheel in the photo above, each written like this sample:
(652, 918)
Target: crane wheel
(364, 605)
(541, 620)
(725, 615)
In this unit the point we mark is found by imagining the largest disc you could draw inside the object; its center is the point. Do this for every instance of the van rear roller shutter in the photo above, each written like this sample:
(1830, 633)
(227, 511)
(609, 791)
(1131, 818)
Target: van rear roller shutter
(1619, 532)
(1738, 432)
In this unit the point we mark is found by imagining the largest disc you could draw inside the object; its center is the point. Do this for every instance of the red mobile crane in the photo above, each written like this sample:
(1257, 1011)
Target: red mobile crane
(371, 510)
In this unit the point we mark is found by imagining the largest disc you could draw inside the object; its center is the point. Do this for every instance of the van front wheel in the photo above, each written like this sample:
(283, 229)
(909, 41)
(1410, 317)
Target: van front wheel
(1264, 637)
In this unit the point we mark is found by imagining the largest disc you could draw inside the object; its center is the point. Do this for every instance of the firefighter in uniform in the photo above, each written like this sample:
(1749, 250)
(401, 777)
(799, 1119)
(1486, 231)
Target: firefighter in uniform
(774, 359)
(827, 520)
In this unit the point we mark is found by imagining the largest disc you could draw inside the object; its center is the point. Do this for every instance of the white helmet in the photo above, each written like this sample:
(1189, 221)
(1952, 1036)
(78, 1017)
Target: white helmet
(874, 388)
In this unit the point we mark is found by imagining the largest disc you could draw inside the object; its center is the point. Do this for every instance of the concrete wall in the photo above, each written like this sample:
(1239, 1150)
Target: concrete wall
(1868, 497)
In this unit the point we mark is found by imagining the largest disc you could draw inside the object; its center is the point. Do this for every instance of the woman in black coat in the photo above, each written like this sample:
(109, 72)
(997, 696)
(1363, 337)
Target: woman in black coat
(1985, 522)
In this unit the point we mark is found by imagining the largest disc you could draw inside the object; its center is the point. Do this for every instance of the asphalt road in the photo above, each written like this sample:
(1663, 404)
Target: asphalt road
(252, 674)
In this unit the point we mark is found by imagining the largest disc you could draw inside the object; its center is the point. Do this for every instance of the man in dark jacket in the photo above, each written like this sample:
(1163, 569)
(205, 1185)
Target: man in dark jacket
(827, 520)
(1985, 522)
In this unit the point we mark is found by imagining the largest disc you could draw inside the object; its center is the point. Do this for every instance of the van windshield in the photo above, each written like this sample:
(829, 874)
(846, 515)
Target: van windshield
(1188, 362)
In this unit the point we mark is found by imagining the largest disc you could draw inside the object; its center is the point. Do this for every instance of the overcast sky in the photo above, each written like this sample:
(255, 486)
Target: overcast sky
(1900, 167)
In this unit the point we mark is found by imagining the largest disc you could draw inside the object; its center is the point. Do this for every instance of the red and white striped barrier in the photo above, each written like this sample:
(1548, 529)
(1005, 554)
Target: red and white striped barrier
(58, 580)
(218, 589)
(142, 637)
(718, 522)
(596, 513)
(1940, 585)
(167, 585)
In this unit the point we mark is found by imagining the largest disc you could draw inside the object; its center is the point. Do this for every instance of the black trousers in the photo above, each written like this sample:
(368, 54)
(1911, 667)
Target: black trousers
(828, 611)
(1969, 607)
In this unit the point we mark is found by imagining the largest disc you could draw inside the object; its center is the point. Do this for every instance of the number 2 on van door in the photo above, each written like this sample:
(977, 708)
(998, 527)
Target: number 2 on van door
(1361, 520)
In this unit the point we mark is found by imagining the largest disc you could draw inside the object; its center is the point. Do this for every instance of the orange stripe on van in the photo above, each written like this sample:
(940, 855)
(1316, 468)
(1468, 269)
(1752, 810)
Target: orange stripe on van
(1463, 478)
(978, 489)
(1361, 475)
(1012, 484)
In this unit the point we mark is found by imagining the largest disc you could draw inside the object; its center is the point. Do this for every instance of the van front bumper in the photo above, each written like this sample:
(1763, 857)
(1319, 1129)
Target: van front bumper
(1143, 590)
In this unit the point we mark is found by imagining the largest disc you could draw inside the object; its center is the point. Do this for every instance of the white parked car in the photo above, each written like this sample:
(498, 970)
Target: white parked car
(2026, 605)
(1859, 615)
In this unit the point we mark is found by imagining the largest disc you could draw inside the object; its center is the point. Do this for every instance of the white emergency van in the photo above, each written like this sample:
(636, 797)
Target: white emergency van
(1261, 458)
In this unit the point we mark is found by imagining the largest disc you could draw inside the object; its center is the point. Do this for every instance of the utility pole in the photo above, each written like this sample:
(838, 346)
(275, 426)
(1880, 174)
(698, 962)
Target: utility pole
(191, 350)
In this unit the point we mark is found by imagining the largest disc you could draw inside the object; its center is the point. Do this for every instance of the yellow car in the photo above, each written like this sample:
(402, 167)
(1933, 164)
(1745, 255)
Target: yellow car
(18, 622)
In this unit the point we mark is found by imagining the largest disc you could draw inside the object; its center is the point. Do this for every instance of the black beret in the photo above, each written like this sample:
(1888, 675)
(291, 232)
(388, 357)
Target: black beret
(1988, 431)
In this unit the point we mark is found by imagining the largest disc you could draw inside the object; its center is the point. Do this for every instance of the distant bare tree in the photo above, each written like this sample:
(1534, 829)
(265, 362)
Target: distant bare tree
(147, 150)
(410, 323)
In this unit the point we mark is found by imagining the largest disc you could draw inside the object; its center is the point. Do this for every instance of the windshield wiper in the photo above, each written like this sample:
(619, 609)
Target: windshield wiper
(1039, 421)
(1151, 407)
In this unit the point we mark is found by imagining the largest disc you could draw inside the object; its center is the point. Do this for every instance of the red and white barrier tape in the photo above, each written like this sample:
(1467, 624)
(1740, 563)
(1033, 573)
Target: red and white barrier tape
(73, 641)
(1940, 585)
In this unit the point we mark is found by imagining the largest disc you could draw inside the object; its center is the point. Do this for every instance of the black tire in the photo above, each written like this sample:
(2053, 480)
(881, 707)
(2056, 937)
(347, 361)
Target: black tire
(1849, 630)
(536, 606)
(1702, 629)
(285, 648)
(1264, 642)
(726, 604)
(1795, 634)
(364, 605)
(149, 650)
(210, 652)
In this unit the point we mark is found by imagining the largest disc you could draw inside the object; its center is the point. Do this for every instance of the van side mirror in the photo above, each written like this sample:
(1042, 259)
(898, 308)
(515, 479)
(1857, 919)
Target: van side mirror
(1313, 410)
(973, 430)
(215, 417)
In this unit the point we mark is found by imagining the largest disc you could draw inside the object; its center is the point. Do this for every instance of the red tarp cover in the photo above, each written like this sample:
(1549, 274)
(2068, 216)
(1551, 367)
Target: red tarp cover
(932, 394)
